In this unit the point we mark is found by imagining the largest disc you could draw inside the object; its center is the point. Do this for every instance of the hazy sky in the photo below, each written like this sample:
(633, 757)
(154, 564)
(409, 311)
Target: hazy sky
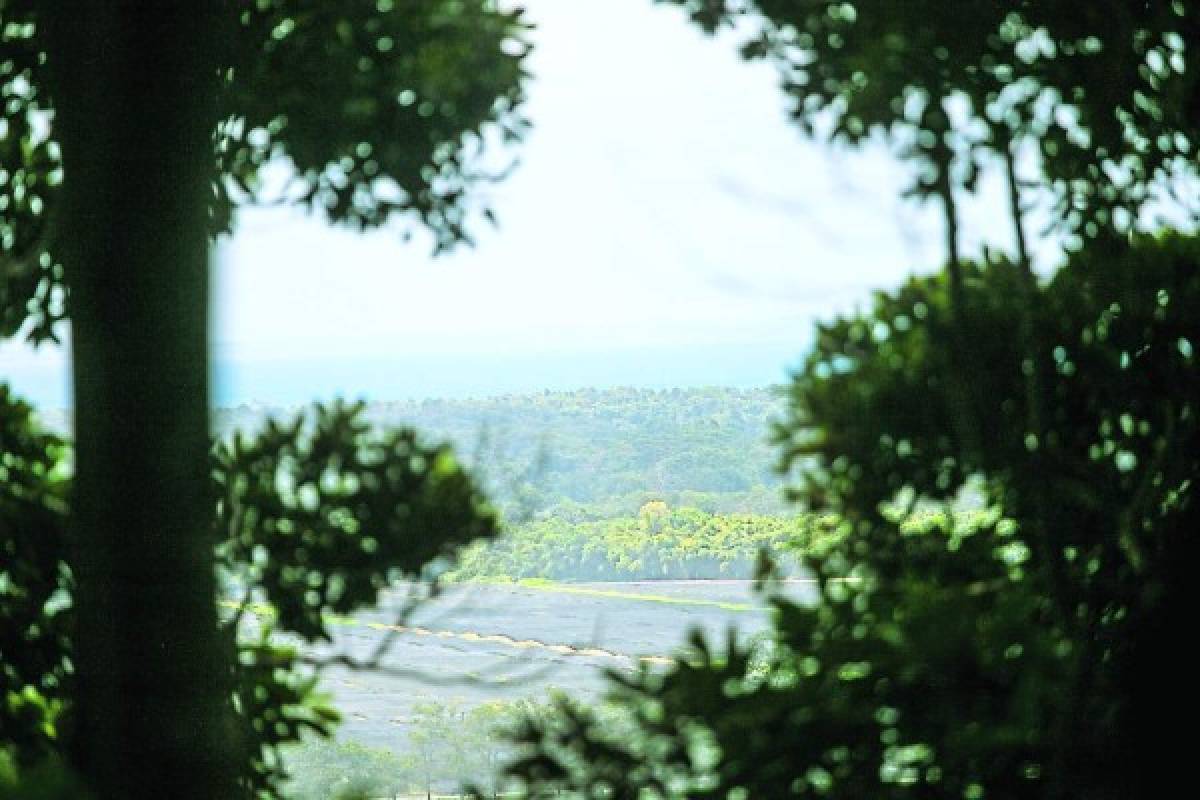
(666, 226)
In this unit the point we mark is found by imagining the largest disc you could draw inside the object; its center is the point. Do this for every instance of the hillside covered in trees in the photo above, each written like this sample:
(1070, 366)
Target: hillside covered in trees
(600, 453)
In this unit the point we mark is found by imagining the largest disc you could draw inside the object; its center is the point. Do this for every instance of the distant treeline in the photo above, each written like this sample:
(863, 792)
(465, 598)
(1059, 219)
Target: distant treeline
(602, 453)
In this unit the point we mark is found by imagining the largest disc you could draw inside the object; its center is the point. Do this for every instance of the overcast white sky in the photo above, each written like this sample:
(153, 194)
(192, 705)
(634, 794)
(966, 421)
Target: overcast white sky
(666, 225)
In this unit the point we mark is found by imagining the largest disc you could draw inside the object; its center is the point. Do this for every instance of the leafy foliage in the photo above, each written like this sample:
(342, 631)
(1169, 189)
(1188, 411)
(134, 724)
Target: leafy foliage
(35, 616)
(276, 703)
(316, 517)
(290, 503)
(323, 513)
(419, 87)
(836, 704)
(376, 111)
(31, 279)
(953, 655)
(1103, 92)
(1026, 652)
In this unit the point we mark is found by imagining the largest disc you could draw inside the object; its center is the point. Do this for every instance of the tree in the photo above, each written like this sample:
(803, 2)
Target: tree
(432, 739)
(36, 623)
(1019, 652)
(110, 199)
(484, 749)
(955, 654)
(346, 770)
(312, 519)
(1103, 93)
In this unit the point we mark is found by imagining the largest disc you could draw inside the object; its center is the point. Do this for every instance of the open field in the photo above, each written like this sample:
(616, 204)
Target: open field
(480, 642)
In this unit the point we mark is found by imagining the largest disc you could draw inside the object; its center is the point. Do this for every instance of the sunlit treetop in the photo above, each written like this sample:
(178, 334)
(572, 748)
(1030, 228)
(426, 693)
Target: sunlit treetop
(362, 111)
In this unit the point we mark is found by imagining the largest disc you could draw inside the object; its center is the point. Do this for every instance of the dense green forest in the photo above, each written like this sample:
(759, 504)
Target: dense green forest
(607, 484)
(611, 484)
(600, 453)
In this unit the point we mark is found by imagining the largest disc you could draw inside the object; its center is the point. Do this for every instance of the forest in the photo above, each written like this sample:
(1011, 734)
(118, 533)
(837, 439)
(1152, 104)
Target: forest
(618, 484)
(596, 453)
(985, 467)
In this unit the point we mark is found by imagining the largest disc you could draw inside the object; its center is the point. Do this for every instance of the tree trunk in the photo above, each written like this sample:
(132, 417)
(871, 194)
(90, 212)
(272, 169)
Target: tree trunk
(942, 157)
(134, 90)
(1027, 328)
(963, 419)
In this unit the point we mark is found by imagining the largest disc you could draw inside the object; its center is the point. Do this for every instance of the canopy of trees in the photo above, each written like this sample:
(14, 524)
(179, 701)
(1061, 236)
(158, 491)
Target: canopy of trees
(596, 453)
